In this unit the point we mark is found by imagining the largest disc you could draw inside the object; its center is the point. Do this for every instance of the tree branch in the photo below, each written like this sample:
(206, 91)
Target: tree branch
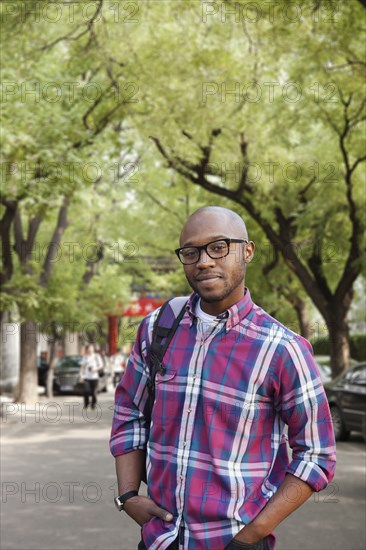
(163, 207)
(52, 250)
(315, 264)
(5, 231)
(302, 192)
(89, 28)
(33, 227)
(18, 234)
(91, 265)
(356, 163)
(351, 269)
(281, 240)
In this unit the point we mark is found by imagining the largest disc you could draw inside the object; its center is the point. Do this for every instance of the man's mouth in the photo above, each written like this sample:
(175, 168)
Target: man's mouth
(207, 277)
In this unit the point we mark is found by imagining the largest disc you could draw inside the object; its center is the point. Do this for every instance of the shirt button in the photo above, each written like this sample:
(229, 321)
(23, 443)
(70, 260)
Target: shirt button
(189, 410)
(184, 443)
(181, 477)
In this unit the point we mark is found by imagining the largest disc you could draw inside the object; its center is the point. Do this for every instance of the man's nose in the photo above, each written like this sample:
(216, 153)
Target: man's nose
(205, 260)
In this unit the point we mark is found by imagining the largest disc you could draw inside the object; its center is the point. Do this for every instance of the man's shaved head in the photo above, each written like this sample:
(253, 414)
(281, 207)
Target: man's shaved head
(225, 218)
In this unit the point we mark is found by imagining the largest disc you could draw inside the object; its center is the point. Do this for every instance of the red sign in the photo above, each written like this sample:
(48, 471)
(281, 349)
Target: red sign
(142, 307)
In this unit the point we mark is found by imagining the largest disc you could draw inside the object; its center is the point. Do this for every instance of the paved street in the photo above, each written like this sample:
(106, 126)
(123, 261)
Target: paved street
(58, 484)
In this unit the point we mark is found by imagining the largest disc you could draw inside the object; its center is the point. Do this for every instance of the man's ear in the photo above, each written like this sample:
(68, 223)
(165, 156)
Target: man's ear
(249, 252)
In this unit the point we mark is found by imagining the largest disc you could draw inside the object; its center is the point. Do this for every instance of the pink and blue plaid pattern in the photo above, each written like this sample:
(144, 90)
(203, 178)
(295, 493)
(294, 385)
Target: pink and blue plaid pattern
(217, 450)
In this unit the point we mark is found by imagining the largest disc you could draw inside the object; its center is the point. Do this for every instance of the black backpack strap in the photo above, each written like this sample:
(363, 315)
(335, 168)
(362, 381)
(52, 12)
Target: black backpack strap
(163, 332)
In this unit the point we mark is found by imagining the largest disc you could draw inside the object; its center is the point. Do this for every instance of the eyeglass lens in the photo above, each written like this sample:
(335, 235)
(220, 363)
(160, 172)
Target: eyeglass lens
(217, 249)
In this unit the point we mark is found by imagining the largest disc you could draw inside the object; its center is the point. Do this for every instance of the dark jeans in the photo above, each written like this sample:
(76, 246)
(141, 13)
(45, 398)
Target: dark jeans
(173, 546)
(233, 545)
(237, 545)
(116, 378)
(90, 388)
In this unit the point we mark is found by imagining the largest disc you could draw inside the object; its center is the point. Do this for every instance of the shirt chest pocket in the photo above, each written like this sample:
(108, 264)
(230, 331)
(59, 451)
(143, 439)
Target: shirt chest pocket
(166, 406)
(166, 377)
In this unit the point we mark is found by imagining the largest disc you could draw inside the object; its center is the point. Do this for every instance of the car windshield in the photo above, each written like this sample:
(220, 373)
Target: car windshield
(69, 362)
(357, 376)
(358, 370)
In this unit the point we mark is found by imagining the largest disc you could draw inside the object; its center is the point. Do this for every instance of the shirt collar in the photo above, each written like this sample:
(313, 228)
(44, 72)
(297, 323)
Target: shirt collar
(234, 314)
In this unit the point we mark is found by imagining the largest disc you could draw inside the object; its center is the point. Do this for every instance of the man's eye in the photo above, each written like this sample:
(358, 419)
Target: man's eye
(219, 247)
(189, 253)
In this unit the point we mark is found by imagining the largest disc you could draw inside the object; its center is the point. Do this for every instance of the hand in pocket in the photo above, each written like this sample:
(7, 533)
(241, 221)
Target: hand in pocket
(236, 544)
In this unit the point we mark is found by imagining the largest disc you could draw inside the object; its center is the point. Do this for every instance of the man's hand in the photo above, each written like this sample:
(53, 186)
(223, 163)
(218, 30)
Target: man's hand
(291, 494)
(248, 535)
(142, 509)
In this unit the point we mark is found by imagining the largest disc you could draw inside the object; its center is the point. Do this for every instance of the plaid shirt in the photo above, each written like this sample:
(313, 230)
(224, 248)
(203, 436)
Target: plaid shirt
(217, 452)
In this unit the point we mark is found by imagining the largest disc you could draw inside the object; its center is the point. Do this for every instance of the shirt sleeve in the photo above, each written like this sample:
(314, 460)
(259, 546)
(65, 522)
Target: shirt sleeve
(130, 431)
(302, 403)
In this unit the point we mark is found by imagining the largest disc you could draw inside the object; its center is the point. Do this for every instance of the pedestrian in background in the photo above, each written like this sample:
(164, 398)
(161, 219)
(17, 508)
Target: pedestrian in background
(218, 472)
(91, 364)
(118, 365)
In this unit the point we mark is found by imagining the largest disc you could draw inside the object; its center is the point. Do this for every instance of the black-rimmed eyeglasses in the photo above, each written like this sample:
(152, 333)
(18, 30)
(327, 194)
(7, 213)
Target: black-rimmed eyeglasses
(214, 249)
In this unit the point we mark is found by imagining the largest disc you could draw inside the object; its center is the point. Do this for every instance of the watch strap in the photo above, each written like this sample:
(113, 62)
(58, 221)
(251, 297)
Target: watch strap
(120, 501)
(126, 496)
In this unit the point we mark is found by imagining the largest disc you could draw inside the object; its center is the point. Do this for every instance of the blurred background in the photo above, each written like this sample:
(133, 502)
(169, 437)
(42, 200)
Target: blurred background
(119, 119)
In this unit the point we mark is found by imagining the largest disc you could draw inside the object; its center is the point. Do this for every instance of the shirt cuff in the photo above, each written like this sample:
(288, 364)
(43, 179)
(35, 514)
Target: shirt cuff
(311, 473)
(118, 451)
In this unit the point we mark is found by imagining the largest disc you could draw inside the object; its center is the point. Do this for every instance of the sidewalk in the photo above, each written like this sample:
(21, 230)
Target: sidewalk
(58, 484)
(58, 480)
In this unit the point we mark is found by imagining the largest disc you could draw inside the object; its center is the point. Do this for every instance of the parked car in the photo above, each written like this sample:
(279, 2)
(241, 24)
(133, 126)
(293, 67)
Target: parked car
(67, 376)
(323, 364)
(42, 369)
(347, 401)
(325, 369)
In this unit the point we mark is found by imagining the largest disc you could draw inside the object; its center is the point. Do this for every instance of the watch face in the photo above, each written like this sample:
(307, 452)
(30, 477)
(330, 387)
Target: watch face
(118, 504)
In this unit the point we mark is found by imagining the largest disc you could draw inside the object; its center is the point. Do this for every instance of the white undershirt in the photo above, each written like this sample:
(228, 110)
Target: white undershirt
(206, 323)
(205, 317)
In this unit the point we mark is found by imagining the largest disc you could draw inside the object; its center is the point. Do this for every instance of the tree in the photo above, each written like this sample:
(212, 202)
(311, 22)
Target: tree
(261, 109)
(312, 149)
(53, 126)
(169, 201)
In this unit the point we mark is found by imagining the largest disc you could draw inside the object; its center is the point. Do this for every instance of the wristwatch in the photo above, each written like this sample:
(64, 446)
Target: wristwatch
(120, 501)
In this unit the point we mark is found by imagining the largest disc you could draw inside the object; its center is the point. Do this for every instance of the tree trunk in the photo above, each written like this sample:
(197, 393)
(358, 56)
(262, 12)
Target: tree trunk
(338, 343)
(52, 348)
(27, 391)
(303, 318)
(52, 359)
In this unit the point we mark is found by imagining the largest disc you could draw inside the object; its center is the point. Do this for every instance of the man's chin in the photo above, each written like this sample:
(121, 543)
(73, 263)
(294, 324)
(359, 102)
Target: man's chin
(211, 298)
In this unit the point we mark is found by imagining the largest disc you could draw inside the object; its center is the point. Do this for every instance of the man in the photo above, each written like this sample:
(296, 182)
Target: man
(118, 364)
(218, 472)
(91, 363)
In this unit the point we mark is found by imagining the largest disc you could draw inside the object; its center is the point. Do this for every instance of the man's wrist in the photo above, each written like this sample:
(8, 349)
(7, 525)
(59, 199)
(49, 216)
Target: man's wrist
(121, 500)
(130, 503)
(249, 534)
